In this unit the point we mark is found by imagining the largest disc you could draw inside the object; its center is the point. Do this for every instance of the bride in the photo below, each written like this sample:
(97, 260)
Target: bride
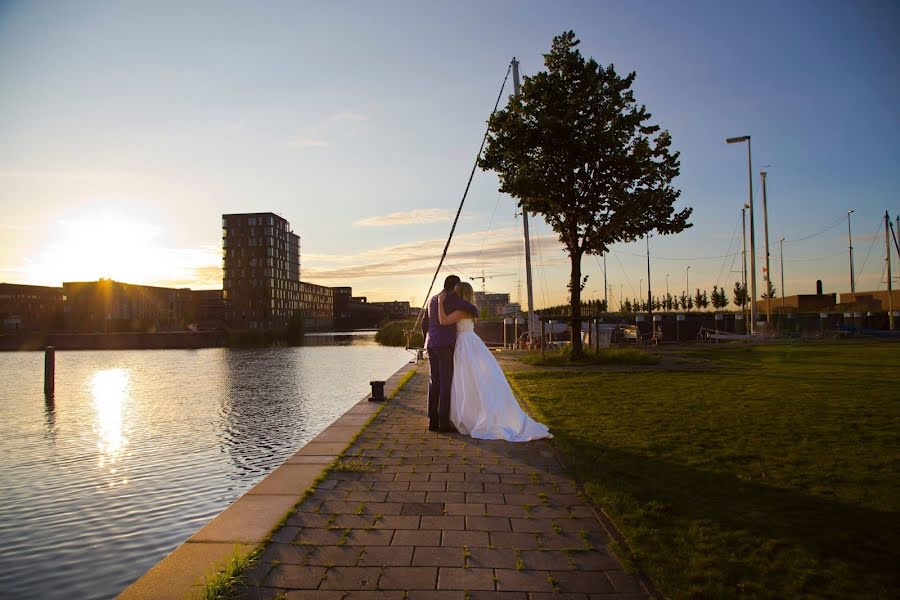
(482, 403)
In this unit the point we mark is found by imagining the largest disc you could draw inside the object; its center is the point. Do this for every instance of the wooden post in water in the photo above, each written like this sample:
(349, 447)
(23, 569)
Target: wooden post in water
(49, 370)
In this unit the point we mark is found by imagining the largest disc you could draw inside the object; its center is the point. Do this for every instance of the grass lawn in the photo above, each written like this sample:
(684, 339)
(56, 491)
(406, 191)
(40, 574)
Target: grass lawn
(774, 473)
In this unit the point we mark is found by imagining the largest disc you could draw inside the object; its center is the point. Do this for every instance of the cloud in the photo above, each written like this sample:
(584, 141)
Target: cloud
(322, 134)
(350, 116)
(309, 142)
(412, 217)
(468, 255)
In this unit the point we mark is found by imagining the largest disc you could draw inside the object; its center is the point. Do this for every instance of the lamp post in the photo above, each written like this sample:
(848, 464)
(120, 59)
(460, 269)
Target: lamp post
(762, 174)
(781, 242)
(687, 282)
(667, 287)
(850, 242)
(640, 287)
(735, 140)
(744, 307)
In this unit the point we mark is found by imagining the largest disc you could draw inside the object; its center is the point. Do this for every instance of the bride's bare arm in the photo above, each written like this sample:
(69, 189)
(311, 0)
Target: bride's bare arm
(453, 317)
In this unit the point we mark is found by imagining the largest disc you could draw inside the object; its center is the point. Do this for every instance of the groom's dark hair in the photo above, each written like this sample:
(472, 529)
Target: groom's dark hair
(450, 283)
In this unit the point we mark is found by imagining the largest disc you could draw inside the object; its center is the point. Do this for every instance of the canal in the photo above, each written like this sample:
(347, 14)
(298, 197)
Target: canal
(140, 448)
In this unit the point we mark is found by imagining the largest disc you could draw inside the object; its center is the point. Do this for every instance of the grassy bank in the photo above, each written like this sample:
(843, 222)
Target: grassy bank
(606, 356)
(771, 474)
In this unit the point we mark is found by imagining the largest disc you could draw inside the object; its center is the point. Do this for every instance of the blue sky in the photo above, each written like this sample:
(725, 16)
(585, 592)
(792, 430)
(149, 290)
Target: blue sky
(128, 128)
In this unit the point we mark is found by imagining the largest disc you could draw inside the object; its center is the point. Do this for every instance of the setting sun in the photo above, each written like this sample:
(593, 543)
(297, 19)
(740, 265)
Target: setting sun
(86, 249)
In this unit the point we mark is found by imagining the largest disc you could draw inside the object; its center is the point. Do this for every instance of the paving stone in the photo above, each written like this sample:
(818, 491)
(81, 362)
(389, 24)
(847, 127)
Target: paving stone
(309, 595)
(486, 498)
(594, 582)
(534, 525)
(465, 538)
(546, 561)
(455, 578)
(375, 595)
(367, 496)
(437, 595)
(443, 522)
(425, 556)
(351, 578)
(306, 578)
(476, 523)
(598, 560)
(559, 596)
(337, 556)
(465, 486)
(523, 541)
(422, 508)
(463, 508)
(385, 556)
(492, 558)
(399, 522)
(370, 537)
(506, 510)
(406, 496)
(445, 497)
(523, 581)
(409, 537)
(428, 486)
(408, 578)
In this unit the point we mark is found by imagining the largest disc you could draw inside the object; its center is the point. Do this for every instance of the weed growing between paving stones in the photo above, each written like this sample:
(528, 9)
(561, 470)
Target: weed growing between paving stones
(224, 576)
(770, 472)
(520, 564)
(351, 466)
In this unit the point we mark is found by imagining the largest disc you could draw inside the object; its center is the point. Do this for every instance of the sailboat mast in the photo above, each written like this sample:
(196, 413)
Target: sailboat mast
(532, 326)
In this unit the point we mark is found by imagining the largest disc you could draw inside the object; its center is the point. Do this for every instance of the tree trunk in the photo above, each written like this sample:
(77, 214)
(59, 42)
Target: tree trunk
(577, 349)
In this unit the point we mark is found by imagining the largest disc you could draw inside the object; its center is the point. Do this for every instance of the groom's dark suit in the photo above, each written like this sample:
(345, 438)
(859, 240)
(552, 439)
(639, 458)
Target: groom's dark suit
(439, 341)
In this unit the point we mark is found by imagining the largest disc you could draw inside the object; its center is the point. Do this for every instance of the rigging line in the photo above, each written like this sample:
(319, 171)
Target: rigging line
(793, 260)
(461, 202)
(644, 255)
(621, 266)
(543, 272)
(490, 225)
(733, 235)
(872, 245)
(820, 232)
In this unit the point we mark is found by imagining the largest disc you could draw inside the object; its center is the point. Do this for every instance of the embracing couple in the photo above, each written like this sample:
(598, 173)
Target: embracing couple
(468, 391)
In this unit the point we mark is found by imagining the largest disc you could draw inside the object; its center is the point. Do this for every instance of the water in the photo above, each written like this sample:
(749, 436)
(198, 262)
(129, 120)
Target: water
(141, 448)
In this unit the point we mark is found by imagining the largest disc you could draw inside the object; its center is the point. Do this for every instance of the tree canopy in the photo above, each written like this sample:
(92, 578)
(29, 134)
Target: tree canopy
(575, 147)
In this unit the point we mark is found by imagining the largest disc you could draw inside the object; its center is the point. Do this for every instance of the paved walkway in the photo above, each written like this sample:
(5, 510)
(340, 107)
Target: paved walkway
(421, 515)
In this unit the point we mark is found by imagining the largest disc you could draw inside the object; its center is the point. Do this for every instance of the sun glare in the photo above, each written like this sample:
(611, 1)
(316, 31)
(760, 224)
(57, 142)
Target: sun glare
(86, 249)
(109, 389)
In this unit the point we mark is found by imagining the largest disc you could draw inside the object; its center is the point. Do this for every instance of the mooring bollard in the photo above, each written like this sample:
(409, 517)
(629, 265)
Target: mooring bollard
(49, 370)
(377, 391)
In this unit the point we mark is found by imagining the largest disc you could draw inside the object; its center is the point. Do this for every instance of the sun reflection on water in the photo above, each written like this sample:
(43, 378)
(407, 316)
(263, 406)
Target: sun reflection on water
(109, 389)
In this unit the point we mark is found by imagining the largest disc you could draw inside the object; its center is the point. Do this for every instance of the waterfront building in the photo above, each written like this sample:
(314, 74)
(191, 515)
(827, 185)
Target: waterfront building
(317, 306)
(342, 297)
(30, 308)
(260, 271)
(494, 302)
(107, 306)
(396, 310)
(208, 308)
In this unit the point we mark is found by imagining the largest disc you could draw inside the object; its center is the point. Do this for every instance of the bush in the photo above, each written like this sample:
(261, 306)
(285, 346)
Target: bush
(393, 333)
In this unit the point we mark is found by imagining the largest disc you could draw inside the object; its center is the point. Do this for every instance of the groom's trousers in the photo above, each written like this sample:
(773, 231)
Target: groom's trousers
(441, 363)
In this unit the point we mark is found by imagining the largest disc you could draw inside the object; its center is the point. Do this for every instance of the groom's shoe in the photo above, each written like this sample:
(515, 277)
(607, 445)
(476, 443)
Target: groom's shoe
(448, 429)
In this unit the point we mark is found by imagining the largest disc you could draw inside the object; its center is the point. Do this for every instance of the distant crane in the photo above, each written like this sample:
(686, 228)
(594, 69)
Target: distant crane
(484, 278)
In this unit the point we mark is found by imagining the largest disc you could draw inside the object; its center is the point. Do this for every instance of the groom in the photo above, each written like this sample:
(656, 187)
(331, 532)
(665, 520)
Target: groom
(439, 341)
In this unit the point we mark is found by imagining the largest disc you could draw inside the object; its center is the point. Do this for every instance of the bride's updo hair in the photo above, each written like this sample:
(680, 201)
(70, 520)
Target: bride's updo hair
(464, 290)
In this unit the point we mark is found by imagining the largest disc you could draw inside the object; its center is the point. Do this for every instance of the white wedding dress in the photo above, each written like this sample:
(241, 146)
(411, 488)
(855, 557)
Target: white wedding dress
(482, 404)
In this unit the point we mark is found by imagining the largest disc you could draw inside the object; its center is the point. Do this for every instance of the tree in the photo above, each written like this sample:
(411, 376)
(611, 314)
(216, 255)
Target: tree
(771, 293)
(576, 147)
(719, 299)
(627, 306)
(683, 301)
(698, 299)
(669, 302)
(740, 294)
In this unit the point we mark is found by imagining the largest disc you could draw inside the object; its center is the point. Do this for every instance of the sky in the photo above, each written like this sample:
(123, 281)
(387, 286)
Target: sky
(127, 129)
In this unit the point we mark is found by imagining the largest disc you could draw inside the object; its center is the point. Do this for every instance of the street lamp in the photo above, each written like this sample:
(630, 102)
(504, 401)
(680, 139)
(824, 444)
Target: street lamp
(687, 281)
(781, 242)
(850, 240)
(667, 287)
(735, 140)
(640, 287)
(768, 278)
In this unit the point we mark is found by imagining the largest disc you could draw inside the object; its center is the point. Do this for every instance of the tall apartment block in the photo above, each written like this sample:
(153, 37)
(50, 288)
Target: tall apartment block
(261, 270)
